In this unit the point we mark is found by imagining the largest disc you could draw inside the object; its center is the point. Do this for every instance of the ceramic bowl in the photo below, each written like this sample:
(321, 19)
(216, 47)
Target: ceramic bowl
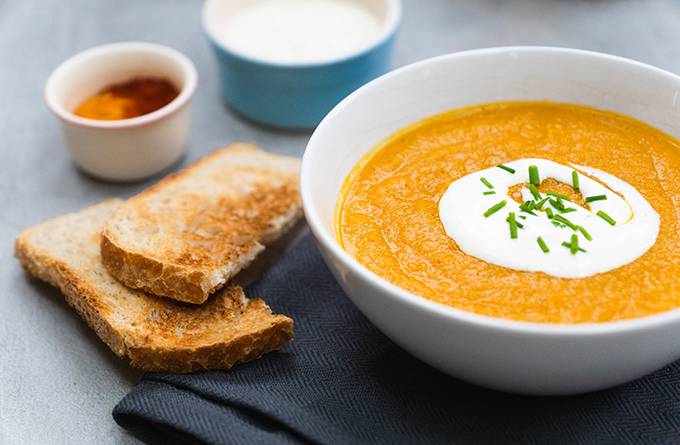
(508, 355)
(126, 149)
(296, 95)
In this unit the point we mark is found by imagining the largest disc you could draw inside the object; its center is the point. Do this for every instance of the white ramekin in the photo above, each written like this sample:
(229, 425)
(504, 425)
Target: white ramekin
(509, 355)
(127, 149)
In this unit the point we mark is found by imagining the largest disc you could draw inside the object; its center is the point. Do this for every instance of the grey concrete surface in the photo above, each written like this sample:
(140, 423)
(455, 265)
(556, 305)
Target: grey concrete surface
(58, 382)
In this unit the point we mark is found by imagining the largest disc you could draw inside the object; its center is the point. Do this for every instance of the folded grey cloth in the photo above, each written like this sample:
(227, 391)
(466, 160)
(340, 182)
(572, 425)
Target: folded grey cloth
(342, 382)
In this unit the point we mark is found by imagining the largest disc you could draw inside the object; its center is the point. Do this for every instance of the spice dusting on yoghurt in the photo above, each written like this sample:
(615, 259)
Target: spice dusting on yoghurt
(536, 215)
(300, 31)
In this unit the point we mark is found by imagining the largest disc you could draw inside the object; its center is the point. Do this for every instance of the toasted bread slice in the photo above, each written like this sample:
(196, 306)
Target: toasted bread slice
(189, 234)
(155, 333)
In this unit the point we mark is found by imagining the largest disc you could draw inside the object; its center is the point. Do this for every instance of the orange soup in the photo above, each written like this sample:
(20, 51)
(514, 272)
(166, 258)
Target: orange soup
(388, 215)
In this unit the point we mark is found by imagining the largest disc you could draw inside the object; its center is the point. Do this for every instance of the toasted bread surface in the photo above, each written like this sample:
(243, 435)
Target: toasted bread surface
(189, 234)
(155, 333)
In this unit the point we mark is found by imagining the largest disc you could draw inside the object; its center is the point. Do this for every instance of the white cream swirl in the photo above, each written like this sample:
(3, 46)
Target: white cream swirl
(462, 208)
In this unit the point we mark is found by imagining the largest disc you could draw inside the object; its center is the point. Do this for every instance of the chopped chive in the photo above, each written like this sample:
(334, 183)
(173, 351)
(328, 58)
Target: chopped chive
(528, 207)
(585, 233)
(556, 224)
(574, 180)
(606, 217)
(565, 221)
(540, 203)
(523, 216)
(494, 208)
(574, 244)
(559, 195)
(596, 198)
(542, 245)
(489, 192)
(486, 183)
(506, 168)
(557, 204)
(533, 175)
(569, 210)
(520, 225)
(568, 246)
(534, 192)
(549, 212)
(513, 225)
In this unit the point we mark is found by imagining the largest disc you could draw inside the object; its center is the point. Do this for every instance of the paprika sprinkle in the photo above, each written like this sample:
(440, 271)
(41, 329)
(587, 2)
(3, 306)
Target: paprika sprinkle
(126, 100)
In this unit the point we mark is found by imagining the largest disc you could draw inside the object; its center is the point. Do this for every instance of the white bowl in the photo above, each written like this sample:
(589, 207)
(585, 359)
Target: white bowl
(513, 356)
(127, 149)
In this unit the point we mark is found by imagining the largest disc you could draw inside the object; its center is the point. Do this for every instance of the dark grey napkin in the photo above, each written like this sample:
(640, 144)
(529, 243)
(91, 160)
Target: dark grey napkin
(342, 382)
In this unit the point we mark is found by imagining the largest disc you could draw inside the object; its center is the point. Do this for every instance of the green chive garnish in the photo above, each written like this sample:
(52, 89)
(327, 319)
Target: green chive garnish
(557, 204)
(574, 180)
(519, 224)
(540, 203)
(574, 244)
(559, 195)
(549, 212)
(568, 246)
(606, 217)
(569, 210)
(527, 206)
(486, 183)
(534, 192)
(513, 225)
(533, 175)
(494, 208)
(585, 233)
(506, 168)
(565, 221)
(490, 192)
(523, 216)
(556, 224)
(596, 198)
(542, 245)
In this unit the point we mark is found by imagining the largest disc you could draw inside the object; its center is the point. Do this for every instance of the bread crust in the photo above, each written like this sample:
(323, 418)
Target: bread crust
(155, 334)
(141, 272)
(189, 267)
(220, 355)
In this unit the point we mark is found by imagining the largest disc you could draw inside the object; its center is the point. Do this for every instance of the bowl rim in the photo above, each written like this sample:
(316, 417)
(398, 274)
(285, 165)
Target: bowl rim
(186, 93)
(436, 309)
(389, 29)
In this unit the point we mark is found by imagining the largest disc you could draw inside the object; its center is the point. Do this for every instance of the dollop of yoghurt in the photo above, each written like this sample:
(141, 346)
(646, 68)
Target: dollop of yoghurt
(463, 206)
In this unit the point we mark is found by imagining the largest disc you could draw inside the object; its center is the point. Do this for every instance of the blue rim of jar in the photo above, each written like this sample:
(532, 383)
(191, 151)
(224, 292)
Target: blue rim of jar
(389, 28)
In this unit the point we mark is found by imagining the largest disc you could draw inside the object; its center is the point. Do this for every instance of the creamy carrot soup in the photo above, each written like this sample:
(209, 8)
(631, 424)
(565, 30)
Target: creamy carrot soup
(532, 211)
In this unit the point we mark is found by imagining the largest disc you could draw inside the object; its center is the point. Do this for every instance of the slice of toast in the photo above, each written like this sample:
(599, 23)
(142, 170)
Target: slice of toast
(189, 234)
(155, 333)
